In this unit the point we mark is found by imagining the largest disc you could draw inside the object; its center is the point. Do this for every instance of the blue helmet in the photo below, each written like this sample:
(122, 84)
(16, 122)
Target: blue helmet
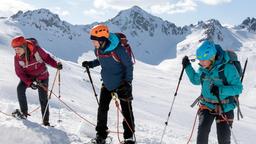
(206, 50)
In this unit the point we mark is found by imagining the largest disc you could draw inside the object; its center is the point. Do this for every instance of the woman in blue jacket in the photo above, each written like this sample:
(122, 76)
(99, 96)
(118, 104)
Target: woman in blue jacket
(117, 76)
(212, 61)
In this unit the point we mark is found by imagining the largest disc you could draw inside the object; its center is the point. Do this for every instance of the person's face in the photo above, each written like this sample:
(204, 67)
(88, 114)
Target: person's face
(96, 44)
(205, 63)
(19, 51)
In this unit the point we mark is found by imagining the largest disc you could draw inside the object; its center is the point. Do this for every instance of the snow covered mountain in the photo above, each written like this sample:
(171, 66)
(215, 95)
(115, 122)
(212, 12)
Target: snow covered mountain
(211, 29)
(152, 38)
(249, 24)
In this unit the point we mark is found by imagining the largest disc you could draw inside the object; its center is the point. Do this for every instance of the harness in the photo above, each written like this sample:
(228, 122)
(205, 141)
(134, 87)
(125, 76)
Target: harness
(228, 100)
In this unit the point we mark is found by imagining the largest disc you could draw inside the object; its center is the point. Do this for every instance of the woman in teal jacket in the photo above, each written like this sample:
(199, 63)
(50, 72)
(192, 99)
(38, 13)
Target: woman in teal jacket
(213, 60)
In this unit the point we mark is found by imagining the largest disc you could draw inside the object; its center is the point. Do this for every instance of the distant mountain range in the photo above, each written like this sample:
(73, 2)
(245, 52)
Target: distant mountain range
(152, 38)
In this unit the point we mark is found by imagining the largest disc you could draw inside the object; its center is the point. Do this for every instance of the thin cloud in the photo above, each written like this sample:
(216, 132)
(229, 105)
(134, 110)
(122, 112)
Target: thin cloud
(95, 14)
(156, 7)
(215, 2)
(10, 7)
(61, 12)
(124, 4)
(179, 7)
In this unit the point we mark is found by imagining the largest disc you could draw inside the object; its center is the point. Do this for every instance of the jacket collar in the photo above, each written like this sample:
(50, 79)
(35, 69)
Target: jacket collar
(114, 41)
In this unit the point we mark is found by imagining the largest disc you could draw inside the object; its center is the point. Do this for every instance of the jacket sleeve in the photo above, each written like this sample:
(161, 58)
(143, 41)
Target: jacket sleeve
(126, 62)
(95, 63)
(235, 86)
(47, 58)
(194, 77)
(21, 74)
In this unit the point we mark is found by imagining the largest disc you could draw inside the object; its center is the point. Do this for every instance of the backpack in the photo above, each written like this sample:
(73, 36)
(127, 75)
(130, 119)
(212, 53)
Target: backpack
(36, 45)
(34, 41)
(233, 60)
(124, 43)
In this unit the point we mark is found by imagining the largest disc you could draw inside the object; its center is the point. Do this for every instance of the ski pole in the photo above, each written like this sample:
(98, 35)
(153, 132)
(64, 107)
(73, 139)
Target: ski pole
(175, 94)
(59, 120)
(239, 112)
(244, 69)
(89, 75)
(49, 96)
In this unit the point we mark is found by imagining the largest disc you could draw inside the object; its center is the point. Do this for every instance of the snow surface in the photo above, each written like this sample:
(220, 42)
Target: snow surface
(154, 87)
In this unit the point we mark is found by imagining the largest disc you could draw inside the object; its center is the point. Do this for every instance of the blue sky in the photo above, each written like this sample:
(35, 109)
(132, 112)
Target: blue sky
(180, 12)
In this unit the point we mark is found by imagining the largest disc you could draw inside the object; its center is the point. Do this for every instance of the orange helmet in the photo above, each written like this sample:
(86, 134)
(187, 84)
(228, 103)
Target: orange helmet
(18, 41)
(99, 32)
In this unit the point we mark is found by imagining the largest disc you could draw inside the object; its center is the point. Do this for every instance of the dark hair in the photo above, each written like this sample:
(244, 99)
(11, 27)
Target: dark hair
(27, 52)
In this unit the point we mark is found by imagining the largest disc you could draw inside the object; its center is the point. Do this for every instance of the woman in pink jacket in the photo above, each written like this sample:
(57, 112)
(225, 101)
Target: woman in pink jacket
(30, 66)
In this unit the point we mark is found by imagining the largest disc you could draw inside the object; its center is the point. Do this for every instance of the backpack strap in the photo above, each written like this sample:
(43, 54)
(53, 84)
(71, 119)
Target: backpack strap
(38, 57)
(111, 54)
(116, 57)
(222, 74)
(202, 77)
(38, 60)
(128, 47)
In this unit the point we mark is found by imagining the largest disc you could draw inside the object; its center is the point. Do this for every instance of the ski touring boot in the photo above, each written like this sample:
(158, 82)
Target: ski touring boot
(19, 115)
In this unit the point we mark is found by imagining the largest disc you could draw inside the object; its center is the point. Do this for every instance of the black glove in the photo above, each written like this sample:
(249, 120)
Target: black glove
(59, 66)
(87, 64)
(185, 61)
(215, 90)
(34, 85)
(124, 91)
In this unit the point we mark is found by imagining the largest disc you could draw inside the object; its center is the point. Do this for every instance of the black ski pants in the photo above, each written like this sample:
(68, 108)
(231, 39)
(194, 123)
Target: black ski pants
(43, 98)
(101, 128)
(206, 119)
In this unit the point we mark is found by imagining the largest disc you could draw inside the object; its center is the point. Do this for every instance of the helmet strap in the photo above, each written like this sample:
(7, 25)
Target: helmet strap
(213, 59)
(102, 44)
